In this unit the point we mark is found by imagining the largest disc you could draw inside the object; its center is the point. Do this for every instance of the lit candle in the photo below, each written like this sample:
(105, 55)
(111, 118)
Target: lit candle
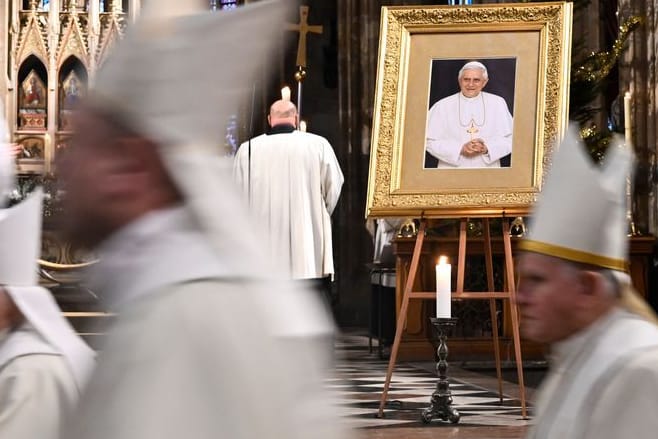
(302, 125)
(443, 290)
(627, 119)
(285, 93)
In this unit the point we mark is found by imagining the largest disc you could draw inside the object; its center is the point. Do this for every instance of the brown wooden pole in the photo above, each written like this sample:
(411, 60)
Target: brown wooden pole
(488, 259)
(511, 285)
(461, 256)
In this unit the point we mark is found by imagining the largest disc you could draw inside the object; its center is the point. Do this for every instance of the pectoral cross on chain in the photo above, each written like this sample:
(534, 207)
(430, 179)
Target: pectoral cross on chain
(303, 28)
(472, 130)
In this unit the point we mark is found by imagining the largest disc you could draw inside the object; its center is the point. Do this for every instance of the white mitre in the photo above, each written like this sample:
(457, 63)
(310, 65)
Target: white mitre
(176, 78)
(581, 214)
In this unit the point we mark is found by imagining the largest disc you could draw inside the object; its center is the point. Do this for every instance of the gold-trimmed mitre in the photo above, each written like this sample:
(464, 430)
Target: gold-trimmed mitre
(581, 213)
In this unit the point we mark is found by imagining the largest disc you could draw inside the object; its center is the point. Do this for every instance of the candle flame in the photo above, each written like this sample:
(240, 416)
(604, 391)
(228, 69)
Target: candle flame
(285, 93)
(443, 260)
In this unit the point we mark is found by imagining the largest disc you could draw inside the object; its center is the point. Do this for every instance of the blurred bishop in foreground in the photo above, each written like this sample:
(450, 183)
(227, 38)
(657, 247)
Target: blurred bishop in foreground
(206, 344)
(575, 294)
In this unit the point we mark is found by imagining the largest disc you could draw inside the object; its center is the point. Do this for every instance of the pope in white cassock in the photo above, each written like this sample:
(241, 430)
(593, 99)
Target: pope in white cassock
(44, 365)
(207, 342)
(574, 293)
(292, 181)
(471, 128)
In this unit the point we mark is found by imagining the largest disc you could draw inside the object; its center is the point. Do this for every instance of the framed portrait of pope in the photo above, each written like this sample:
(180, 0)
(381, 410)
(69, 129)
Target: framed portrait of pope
(470, 101)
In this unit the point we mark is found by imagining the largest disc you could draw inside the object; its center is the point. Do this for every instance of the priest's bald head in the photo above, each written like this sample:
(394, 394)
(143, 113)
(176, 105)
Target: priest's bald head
(282, 112)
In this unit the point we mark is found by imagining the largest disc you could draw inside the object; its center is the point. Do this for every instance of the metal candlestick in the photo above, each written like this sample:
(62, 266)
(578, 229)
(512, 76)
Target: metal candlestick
(441, 403)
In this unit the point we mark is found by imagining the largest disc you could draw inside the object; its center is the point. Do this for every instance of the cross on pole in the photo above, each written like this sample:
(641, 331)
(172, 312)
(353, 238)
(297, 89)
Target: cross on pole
(303, 28)
(472, 130)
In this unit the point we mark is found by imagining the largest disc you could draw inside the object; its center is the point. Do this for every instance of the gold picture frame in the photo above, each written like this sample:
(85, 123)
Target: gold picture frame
(413, 42)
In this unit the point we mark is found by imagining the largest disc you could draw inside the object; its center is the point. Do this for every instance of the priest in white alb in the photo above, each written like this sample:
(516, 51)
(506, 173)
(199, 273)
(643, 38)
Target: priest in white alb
(44, 364)
(575, 294)
(292, 181)
(471, 128)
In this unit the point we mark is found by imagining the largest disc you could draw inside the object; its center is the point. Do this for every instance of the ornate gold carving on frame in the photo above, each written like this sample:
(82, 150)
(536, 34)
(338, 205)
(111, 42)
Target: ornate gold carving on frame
(553, 20)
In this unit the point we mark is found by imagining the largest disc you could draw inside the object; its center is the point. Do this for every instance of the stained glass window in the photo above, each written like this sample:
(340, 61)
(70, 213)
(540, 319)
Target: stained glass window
(228, 4)
(216, 5)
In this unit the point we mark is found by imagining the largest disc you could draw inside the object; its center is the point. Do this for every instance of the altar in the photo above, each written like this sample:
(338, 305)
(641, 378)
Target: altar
(472, 337)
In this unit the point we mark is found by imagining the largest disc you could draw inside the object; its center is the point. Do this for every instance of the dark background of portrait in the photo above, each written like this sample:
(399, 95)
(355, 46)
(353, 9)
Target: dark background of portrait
(443, 83)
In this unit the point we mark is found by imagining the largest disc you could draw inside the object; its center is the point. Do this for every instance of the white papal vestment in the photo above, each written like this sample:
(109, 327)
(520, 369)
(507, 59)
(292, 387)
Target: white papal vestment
(292, 182)
(603, 383)
(450, 120)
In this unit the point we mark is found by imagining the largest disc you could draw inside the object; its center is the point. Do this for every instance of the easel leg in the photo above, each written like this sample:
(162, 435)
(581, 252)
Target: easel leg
(402, 317)
(509, 268)
(488, 258)
(461, 256)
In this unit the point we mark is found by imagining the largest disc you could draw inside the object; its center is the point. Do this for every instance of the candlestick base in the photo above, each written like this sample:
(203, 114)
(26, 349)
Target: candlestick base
(441, 402)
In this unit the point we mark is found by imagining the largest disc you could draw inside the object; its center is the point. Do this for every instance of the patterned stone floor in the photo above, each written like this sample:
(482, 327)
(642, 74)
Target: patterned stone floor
(359, 380)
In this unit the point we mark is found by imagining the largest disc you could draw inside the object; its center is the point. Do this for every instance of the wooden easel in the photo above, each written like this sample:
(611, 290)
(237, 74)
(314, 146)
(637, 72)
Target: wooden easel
(459, 293)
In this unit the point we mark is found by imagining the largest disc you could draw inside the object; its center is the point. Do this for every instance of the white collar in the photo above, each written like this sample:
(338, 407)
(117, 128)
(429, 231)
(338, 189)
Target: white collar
(158, 249)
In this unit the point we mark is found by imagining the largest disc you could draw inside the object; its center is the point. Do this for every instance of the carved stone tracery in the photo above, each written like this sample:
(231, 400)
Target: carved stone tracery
(69, 34)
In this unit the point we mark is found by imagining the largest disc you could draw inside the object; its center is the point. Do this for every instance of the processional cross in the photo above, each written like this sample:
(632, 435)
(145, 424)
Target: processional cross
(303, 28)
(472, 130)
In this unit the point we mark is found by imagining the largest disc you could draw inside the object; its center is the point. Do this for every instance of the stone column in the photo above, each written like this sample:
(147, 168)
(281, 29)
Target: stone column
(53, 115)
(637, 74)
(93, 35)
(133, 10)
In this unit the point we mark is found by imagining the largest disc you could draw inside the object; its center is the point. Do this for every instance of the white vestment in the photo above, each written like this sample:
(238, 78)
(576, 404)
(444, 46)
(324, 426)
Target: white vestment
(37, 389)
(196, 352)
(44, 365)
(292, 181)
(448, 124)
(603, 383)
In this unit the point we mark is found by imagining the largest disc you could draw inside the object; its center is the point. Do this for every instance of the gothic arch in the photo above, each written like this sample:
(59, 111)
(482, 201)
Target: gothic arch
(32, 42)
(73, 43)
(32, 89)
(72, 83)
(110, 34)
